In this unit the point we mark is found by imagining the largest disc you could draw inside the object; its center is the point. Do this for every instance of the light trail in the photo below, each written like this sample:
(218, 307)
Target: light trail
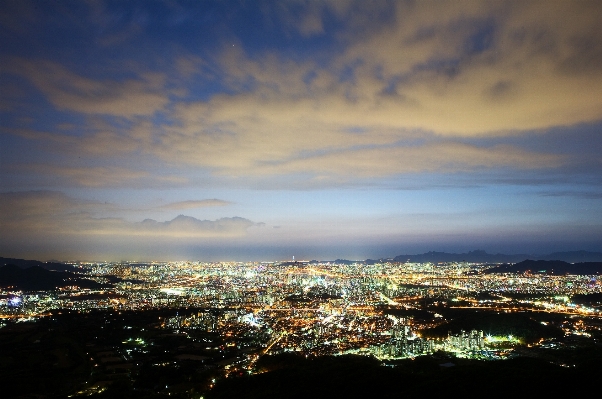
(267, 349)
(387, 299)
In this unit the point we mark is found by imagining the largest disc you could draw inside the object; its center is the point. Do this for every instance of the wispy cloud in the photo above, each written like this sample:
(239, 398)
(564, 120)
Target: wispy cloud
(100, 176)
(193, 204)
(439, 157)
(67, 90)
(43, 214)
(188, 227)
(477, 114)
(404, 90)
(593, 195)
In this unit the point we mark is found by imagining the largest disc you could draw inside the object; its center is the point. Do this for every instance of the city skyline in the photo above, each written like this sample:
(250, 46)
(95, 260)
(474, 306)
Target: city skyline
(257, 131)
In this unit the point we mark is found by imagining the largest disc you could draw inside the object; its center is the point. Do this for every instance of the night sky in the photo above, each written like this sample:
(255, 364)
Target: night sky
(262, 130)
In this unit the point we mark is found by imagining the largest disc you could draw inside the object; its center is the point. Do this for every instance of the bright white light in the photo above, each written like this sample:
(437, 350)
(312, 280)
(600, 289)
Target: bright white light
(15, 301)
(172, 291)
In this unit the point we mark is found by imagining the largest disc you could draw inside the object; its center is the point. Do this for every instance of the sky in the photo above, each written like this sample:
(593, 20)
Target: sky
(263, 130)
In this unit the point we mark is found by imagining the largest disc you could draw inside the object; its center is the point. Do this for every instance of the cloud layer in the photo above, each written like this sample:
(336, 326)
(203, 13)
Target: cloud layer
(192, 204)
(400, 94)
(337, 121)
(42, 216)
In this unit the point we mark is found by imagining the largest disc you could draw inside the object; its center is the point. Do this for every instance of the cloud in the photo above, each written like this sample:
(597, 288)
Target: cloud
(67, 90)
(295, 141)
(192, 204)
(470, 70)
(593, 195)
(447, 64)
(400, 91)
(42, 206)
(41, 215)
(37, 213)
(187, 226)
(99, 176)
(447, 157)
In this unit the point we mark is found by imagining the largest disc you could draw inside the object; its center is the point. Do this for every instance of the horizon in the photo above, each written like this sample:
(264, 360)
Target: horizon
(231, 130)
(311, 259)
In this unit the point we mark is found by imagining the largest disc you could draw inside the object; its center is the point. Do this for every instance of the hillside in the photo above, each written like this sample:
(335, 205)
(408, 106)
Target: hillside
(555, 267)
(38, 279)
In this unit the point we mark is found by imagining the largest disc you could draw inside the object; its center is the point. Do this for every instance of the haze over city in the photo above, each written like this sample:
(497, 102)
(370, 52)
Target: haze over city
(226, 130)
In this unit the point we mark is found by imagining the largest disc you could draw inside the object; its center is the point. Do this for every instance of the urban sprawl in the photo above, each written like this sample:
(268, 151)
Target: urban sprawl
(232, 314)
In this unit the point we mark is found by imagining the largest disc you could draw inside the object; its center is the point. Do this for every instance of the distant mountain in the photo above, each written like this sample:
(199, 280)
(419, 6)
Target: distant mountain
(555, 267)
(479, 256)
(23, 264)
(573, 256)
(38, 279)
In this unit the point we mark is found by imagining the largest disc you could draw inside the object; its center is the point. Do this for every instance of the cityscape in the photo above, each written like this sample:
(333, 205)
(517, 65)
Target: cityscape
(300, 199)
(215, 321)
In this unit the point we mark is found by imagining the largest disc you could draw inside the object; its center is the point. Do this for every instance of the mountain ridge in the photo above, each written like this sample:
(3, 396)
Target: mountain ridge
(552, 267)
(480, 256)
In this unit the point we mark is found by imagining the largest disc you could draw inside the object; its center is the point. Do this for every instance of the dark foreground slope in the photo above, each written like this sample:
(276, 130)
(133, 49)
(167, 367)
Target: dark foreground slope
(24, 264)
(58, 356)
(360, 377)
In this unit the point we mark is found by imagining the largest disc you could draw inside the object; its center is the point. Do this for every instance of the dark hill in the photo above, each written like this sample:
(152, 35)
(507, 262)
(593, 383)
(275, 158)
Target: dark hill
(574, 256)
(352, 377)
(479, 256)
(555, 267)
(24, 264)
(38, 279)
